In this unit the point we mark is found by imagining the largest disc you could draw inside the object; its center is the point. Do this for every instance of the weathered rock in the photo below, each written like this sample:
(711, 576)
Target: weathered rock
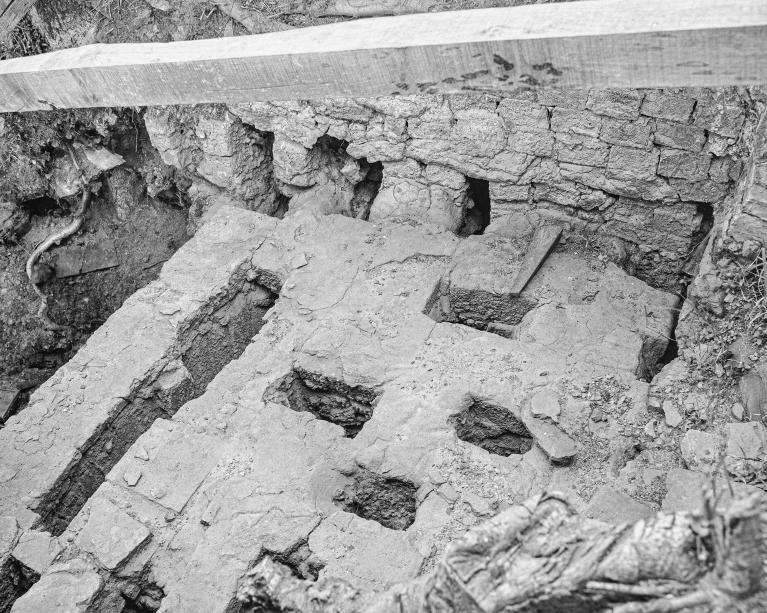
(615, 508)
(673, 105)
(67, 178)
(746, 452)
(700, 450)
(685, 490)
(71, 587)
(37, 550)
(753, 393)
(558, 446)
(672, 415)
(110, 535)
(545, 404)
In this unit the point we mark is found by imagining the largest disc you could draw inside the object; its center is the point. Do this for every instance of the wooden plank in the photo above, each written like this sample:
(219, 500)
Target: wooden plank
(11, 13)
(602, 43)
(544, 240)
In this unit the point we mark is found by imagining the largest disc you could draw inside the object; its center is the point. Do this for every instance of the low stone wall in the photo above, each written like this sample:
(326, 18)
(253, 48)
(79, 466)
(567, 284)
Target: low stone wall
(748, 223)
(640, 169)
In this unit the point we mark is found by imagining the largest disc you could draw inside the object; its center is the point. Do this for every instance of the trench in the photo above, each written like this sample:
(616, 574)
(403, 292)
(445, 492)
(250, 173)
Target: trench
(207, 345)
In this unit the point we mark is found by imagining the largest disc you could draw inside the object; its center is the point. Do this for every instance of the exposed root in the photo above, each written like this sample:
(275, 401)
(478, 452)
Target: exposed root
(55, 239)
(542, 556)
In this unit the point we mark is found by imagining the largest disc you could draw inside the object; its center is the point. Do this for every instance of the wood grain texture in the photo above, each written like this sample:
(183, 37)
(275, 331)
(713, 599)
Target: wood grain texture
(11, 12)
(602, 43)
(544, 240)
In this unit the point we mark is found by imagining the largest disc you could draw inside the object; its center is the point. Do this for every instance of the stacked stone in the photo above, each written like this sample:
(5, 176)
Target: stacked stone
(640, 168)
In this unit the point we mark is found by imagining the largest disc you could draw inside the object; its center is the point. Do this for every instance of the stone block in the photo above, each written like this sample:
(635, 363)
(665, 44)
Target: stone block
(720, 111)
(700, 450)
(683, 164)
(721, 170)
(616, 508)
(71, 587)
(110, 534)
(508, 192)
(746, 452)
(179, 460)
(665, 104)
(558, 446)
(698, 191)
(583, 123)
(626, 133)
(679, 136)
(745, 227)
(523, 115)
(583, 150)
(685, 488)
(565, 98)
(538, 142)
(37, 550)
(629, 163)
(618, 103)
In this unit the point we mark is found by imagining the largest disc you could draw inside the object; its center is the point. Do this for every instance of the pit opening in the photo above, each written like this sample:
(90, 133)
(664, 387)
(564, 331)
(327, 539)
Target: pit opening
(493, 428)
(482, 310)
(327, 398)
(478, 216)
(333, 154)
(387, 500)
(143, 599)
(15, 581)
(300, 560)
(365, 191)
(40, 206)
(206, 346)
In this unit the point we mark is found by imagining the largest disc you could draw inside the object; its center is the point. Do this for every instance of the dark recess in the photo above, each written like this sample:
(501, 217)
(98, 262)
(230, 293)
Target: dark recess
(389, 501)
(478, 216)
(328, 399)
(492, 428)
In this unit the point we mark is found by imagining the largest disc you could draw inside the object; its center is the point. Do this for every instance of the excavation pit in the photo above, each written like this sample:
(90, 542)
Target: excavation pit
(387, 500)
(493, 428)
(326, 398)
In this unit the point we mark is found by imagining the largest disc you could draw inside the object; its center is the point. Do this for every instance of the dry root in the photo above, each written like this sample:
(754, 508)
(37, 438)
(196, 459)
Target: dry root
(543, 556)
(55, 239)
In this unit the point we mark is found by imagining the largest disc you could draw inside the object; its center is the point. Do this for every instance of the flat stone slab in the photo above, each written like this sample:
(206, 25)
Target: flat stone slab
(614, 507)
(37, 550)
(70, 588)
(110, 534)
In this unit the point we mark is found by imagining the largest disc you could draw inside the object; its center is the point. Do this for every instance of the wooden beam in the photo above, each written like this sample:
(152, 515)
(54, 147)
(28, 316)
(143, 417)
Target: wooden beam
(602, 43)
(11, 13)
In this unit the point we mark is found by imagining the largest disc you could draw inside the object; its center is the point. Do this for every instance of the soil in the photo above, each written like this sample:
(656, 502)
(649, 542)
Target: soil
(127, 233)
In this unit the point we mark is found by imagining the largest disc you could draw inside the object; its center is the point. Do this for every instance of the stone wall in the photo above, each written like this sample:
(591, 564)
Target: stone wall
(638, 172)
(748, 223)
